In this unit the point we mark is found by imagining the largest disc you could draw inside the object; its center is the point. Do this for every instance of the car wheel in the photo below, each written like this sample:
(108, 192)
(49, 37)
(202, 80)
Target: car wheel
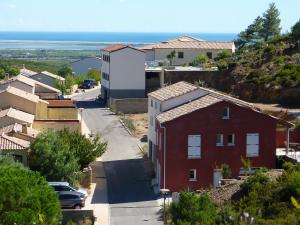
(77, 207)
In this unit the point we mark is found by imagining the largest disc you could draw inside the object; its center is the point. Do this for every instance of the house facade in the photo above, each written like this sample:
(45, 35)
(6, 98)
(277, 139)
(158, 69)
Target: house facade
(83, 66)
(186, 48)
(194, 139)
(123, 72)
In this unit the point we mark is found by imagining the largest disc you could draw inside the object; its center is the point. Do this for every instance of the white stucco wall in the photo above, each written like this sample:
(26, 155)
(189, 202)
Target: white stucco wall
(166, 105)
(105, 69)
(189, 54)
(127, 70)
(150, 56)
(82, 66)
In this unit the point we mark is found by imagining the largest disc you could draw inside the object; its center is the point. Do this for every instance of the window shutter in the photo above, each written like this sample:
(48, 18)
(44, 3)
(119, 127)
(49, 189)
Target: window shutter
(194, 146)
(252, 145)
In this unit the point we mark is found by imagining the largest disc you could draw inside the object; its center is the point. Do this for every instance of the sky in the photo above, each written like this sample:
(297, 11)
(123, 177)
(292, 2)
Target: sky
(199, 16)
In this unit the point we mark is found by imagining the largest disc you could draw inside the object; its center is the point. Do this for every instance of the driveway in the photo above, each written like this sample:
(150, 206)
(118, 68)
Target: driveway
(129, 194)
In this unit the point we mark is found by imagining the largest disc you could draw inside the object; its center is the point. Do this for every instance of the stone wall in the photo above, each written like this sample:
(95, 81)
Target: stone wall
(129, 105)
(220, 80)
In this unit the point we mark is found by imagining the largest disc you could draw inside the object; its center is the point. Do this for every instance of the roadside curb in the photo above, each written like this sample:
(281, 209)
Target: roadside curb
(126, 128)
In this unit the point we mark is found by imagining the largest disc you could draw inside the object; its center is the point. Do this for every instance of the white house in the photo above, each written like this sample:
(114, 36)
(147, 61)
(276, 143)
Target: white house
(82, 66)
(186, 48)
(167, 98)
(123, 72)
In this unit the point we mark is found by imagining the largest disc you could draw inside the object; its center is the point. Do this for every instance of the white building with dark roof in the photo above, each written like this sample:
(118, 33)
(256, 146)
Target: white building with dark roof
(186, 48)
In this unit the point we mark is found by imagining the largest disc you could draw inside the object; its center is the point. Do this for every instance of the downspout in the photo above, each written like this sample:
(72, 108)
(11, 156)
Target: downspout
(288, 141)
(165, 132)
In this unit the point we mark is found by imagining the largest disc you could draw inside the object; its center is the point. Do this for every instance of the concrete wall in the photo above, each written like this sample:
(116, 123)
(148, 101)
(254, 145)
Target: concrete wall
(46, 96)
(9, 100)
(44, 79)
(81, 67)
(6, 121)
(132, 105)
(62, 113)
(189, 54)
(208, 123)
(44, 125)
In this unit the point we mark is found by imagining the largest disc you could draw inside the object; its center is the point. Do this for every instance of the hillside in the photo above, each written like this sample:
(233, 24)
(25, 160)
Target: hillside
(267, 72)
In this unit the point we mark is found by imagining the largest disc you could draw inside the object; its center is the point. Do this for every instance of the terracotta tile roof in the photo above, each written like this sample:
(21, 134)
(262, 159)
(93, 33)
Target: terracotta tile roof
(17, 114)
(50, 75)
(12, 143)
(173, 91)
(191, 43)
(21, 93)
(65, 103)
(188, 108)
(117, 47)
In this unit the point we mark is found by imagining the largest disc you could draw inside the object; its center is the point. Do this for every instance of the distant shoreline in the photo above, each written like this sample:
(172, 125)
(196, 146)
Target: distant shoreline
(91, 40)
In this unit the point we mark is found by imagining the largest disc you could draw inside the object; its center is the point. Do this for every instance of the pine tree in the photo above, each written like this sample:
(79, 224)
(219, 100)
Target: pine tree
(271, 22)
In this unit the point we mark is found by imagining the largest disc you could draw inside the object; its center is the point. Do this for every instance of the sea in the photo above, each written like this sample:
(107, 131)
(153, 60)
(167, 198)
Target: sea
(92, 40)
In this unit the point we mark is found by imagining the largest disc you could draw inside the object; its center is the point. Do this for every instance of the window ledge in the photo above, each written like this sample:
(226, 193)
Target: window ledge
(230, 144)
(193, 180)
(225, 118)
(198, 157)
(219, 145)
(251, 156)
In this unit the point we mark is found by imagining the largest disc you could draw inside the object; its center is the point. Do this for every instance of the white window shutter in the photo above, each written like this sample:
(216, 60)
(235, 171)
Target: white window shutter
(252, 145)
(194, 146)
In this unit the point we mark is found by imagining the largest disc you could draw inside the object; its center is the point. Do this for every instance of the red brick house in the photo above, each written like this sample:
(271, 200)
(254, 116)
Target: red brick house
(195, 138)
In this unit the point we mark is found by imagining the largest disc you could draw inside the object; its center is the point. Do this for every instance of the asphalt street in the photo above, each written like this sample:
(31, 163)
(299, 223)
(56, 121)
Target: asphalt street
(130, 197)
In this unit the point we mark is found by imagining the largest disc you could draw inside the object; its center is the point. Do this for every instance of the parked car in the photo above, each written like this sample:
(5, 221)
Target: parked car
(88, 83)
(65, 186)
(71, 199)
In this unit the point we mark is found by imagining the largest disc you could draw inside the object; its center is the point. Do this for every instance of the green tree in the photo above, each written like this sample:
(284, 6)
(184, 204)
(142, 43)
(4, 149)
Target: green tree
(226, 171)
(200, 60)
(246, 165)
(25, 197)
(224, 54)
(271, 22)
(192, 209)
(251, 35)
(64, 71)
(296, 31)
(85, 150)
(51, 156)
(94, 74)
(171, 57)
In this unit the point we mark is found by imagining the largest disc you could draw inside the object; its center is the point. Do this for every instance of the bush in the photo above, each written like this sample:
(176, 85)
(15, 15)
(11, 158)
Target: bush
(200, 60)
(94, 74)
(26, 198)
(192, 209)
(296, 31)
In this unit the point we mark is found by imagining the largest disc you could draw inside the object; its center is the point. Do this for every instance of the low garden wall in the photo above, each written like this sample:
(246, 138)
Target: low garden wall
(129, 105)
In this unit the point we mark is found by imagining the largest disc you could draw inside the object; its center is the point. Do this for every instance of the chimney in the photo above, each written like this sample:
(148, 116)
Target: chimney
(24, 128)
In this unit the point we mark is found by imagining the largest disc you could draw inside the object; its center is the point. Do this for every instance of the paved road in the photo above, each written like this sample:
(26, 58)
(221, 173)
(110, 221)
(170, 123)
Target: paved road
(129, 192)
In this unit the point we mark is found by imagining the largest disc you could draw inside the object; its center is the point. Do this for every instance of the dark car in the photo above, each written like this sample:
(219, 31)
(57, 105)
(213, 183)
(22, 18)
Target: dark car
(88, 83)
(71, 199)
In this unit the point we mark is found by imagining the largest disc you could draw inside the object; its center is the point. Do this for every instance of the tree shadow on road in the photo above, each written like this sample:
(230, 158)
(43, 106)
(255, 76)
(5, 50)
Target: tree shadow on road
(90, 104)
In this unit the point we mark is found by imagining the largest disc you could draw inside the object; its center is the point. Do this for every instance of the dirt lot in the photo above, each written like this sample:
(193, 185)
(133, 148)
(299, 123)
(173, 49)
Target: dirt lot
(140, 122)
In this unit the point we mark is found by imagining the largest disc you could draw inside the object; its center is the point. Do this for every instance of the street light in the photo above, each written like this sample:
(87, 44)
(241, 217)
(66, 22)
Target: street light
(164, 193)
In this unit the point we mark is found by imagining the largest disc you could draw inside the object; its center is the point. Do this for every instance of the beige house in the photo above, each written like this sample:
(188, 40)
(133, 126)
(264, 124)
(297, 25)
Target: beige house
(15, 147)
(23, 101)
(186, 48)
(11, 116)
(31, 86)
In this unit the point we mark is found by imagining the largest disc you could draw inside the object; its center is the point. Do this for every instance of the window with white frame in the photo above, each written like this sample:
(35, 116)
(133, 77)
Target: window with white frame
(151, 120)
(226, 113)
(219, 141)
(252, 145)
(194, 146)
(193, 175)
(230, 139)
